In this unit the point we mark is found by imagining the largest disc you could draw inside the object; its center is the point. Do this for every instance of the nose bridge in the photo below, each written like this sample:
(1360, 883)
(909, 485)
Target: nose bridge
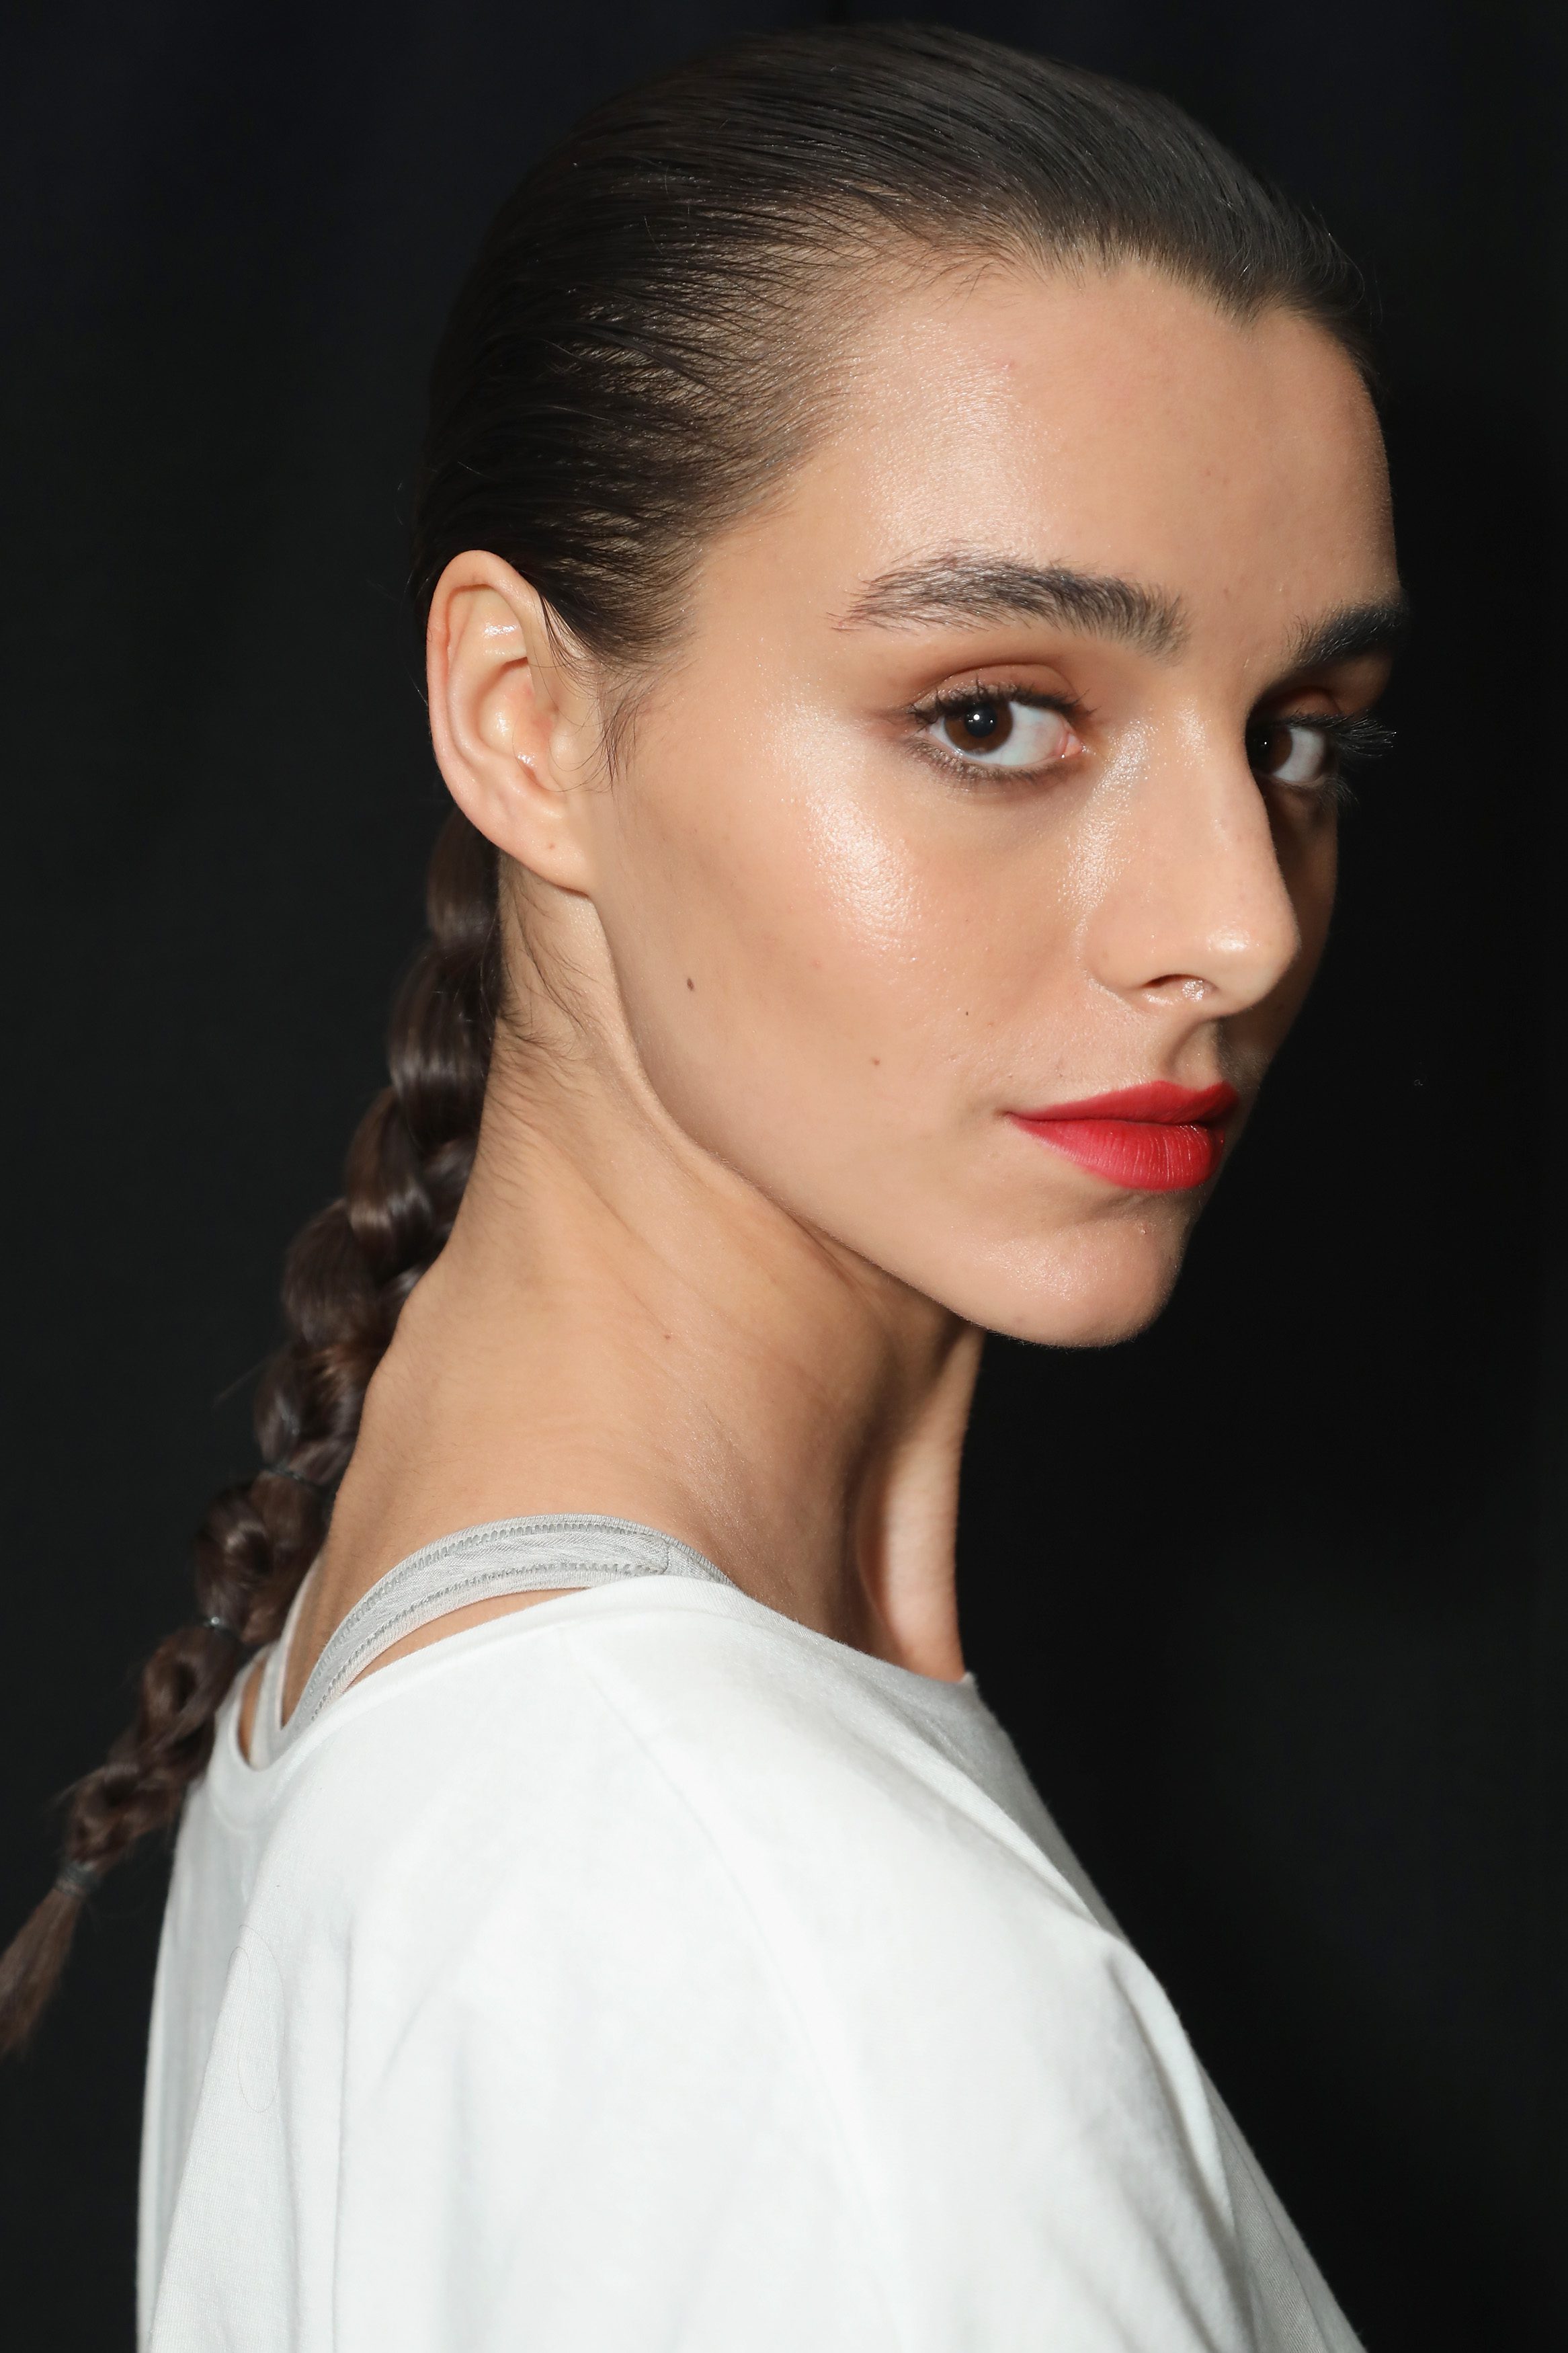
(1195, 892)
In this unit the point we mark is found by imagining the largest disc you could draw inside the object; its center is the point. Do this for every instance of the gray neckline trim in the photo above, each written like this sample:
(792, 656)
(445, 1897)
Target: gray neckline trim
(579, 1550)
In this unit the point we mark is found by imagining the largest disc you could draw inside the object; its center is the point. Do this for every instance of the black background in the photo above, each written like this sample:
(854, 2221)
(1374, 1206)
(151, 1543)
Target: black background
(1275, 1599)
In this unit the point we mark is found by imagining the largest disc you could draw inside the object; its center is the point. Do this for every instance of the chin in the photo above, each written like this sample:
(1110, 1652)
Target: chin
(1089, 1287)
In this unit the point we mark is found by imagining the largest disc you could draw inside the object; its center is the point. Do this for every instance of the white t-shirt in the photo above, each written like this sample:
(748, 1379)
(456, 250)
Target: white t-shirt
(641, 1972)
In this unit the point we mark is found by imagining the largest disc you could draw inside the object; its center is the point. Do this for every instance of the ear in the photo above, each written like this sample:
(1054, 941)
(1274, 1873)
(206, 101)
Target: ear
(514, 730)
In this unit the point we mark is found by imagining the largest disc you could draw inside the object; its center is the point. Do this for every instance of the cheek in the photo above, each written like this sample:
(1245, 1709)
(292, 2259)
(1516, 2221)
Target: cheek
(812, 969)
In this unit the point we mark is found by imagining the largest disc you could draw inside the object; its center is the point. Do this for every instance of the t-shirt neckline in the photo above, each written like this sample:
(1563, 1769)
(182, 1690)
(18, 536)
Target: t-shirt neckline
(580, 1550)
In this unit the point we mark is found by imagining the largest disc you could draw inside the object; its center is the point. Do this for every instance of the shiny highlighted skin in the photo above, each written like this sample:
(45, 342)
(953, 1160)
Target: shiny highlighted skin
(1159, 1138)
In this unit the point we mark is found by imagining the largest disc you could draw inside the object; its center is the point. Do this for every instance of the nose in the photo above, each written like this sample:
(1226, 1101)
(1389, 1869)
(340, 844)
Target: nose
(1192, 906)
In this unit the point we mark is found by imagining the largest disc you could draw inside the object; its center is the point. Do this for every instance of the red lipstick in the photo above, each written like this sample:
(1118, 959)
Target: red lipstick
(1158, 1138)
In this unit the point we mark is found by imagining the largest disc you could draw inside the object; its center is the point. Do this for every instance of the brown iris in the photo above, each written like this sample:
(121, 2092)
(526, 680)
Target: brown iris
(978, 726)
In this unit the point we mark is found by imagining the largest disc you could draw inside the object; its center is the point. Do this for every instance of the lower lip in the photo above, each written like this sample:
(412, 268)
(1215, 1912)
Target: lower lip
(1135, 1153)
(1144, 1156)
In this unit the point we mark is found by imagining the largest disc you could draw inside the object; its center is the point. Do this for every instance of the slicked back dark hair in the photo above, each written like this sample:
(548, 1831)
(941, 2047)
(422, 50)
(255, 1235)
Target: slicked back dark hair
(640, 349)
(644, 348)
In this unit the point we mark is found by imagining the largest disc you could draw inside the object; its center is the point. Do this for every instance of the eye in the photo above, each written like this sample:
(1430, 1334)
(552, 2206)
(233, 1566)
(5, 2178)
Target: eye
(994, 729)
(1292, 752)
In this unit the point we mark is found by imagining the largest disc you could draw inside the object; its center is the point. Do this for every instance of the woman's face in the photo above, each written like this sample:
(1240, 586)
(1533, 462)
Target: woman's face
(996, 774)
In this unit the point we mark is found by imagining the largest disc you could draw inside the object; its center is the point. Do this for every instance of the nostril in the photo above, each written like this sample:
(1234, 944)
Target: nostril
(1187, 985)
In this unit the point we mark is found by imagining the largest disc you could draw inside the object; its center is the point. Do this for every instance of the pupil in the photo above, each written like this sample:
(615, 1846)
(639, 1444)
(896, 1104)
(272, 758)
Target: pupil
(980, 726)
(1273, 748)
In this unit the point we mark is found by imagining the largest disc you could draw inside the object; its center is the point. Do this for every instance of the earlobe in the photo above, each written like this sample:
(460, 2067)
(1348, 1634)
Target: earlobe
(508, 723)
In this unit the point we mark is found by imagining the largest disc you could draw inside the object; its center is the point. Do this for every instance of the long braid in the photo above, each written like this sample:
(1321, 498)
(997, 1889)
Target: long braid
(346, 1278)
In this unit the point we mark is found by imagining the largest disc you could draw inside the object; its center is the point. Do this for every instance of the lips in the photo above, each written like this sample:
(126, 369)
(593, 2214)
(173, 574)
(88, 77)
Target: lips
(1159, 1138)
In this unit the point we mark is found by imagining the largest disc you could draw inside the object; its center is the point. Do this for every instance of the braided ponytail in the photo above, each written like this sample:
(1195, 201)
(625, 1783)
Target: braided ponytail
(346, 1278)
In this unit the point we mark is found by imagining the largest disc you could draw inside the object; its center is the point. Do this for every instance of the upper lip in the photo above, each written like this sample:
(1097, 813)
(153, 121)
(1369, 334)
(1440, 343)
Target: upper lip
(1160, 1102)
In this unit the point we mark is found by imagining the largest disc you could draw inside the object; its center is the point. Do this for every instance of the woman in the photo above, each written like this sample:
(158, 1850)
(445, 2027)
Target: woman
(906, 555)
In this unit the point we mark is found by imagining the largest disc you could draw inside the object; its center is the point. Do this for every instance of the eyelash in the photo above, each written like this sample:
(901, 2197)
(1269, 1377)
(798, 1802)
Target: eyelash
(959, 698)
(1358, 739)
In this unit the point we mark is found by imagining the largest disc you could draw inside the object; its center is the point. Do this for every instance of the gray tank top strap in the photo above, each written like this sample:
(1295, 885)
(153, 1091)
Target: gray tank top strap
(478, 1565)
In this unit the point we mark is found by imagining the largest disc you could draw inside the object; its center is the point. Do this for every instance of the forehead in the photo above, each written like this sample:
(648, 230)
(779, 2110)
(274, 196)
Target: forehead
(1116, 422)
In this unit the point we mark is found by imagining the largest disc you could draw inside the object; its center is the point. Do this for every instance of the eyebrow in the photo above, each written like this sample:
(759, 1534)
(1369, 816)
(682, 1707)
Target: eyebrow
(957, 588)
(1380, 627)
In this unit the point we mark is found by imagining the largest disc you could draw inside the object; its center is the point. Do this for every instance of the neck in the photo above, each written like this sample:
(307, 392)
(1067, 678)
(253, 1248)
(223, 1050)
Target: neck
(619, 1324)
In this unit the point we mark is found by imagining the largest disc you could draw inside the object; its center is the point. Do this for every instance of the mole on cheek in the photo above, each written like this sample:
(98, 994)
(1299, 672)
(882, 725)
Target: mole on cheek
(690, 982)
